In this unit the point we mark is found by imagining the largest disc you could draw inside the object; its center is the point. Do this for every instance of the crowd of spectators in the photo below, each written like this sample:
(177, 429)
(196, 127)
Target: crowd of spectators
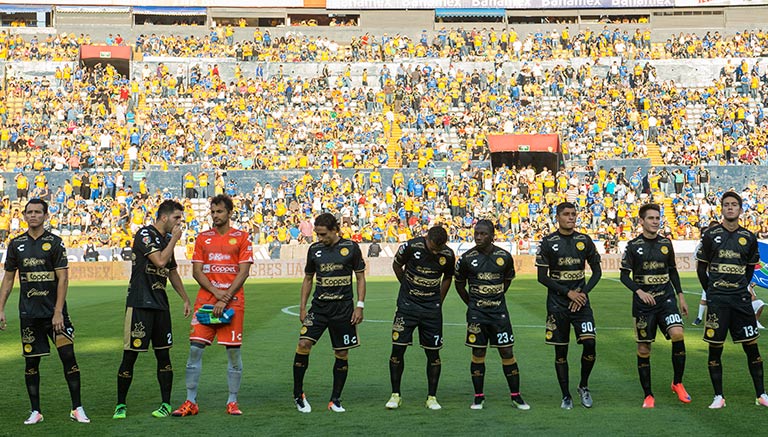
(98, 124)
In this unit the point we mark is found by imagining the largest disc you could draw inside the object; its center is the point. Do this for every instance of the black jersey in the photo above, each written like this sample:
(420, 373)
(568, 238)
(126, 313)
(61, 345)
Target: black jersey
(650, 261)
(148, 282)
(420, 289)
(333, 267)
(37, 261)
(566, 257)
(729, 255)
(486, 275)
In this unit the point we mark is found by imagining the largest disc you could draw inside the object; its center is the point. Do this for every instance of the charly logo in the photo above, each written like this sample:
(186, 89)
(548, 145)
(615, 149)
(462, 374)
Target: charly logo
(344, 251)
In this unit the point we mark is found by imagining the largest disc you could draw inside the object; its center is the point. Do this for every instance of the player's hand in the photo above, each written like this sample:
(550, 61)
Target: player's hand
(176, 232)
(357, 316)
(683, 305)
(58, 321)
(3, 323)
(574, 307)
(647, 298)
(187, 309)
(218, 309)
(221, 295)
(576, 296)
(302, 314)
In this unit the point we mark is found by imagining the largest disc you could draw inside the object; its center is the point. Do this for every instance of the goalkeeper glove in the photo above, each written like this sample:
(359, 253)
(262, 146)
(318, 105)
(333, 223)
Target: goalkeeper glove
(205, 315)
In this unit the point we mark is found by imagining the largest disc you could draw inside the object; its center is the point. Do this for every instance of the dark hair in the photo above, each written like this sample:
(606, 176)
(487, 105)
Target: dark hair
(562, 206)
(649, 207)
(223, 199)
(169, 207)
(437, 235)
(734, 195)
(328, 221)
(37, 202)
(487, 223)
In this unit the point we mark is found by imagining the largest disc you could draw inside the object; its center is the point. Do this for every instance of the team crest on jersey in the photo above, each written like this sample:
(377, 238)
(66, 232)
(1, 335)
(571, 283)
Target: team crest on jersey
(146, 240)
(398, 325)
(710, 333)
(473, 328)
(27, 348)
(309, 320)
(641, 323)
(46, 246)
(580, 245)
(136, 343)
(303, 330)
(442, 261)
(344, 251)
(233, 241)
(550, 325)
(471, 338)
(742, 241)
(548, 335)
(664, 250)
(500, 261)
(395, 336)
(27, 336)
(712, 321)
(138, 331)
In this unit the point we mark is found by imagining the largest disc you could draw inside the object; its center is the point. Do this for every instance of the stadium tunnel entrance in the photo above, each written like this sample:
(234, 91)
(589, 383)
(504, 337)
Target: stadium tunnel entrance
(538, 151)
(117, 56)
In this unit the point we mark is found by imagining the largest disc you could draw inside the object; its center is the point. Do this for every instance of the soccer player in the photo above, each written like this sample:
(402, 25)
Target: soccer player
(726, 259)
(650, 259)
(220, 264)
(41, 259)
(333, 259)
(147, 312)
(424, 266)
(703, 301)
(561, 258)
(489, 270)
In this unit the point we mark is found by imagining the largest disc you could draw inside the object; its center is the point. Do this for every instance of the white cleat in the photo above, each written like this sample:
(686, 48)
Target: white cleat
(335, 406)
(34, 417)
(302, 404)
(78, 415)
(432, 403)
(717, 403)
(762, 400)
(393, 402)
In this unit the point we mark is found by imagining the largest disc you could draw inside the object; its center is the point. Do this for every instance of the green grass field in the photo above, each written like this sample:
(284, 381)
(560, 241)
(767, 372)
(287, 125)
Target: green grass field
(269, 344)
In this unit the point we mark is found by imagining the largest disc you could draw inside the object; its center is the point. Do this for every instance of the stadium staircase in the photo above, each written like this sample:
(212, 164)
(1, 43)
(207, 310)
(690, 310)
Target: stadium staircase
(394, 150)
(669, 212)
(653, 152)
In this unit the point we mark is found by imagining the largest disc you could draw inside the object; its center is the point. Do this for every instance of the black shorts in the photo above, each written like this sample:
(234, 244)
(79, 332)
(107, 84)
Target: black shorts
(665, 316)
(558, 326)
(334, 316)
(36, 332)
(734, 314)
(430, 329)
(498, 334)
(143, 325)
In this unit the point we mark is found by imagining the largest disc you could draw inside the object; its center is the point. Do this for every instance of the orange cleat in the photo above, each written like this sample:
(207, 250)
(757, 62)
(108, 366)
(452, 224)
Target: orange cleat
(649, 402)
(683, 395)
(188, 408)
(233, 409)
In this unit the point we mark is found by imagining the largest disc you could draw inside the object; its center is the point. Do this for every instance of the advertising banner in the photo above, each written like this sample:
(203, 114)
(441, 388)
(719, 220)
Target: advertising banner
(499, 4)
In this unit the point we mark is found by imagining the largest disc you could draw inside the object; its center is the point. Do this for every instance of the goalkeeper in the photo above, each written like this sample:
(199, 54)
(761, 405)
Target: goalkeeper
(220, 264)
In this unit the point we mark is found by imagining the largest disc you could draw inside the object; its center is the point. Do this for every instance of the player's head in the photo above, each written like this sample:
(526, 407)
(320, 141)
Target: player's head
(36, 213)
(436, 238)
(484, 232)
(650, 218)
(731, 204)
(327, 228)
(566, 216)
(169, 214)
(221, 210)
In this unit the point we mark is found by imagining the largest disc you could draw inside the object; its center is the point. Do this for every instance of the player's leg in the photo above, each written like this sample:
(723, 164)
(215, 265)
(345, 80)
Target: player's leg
(402, 337)
(343, 337)
(744, 330)
(431, 340)
(124, 379)
(34, 339)
(702, 308)
(678, 362)
(644, 372)
(192, 377)
(234, 376)
(755, 364)
(162, 341)
(715, 334)
(66, 349)
(477, 369)
(32, 381)
(138, 323)
(512, 374)
(584, 328)
(313, 327)
(340, 372)
(558, 332)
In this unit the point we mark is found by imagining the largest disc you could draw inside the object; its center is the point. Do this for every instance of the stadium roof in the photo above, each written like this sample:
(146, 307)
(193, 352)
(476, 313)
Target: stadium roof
(18, 9)
(168, 10)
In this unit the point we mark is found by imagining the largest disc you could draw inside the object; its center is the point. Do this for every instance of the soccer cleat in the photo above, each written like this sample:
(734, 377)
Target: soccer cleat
(567, 403)
(188, 408)
(335, 406)
(393, 402)
(163, 411)
(233, 409)
(519, 403)
(302, 404)
(717, 403)
(120, 411)
(649, 402)
(34, 417)
(696, 322)
(586, 397)
(681, 393)
(760, 326)
(477, 403)
(762, 400)
(78, 415)
(432, 403)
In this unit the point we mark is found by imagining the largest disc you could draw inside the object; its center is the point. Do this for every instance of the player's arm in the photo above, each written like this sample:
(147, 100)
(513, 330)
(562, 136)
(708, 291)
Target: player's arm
(398, 265)
(161, 258)
(306, 288)
(461, 280)
(205, 283)
(702, 264)
(6, 286)
(674, 277)
(597, 273)
(244, 270)
(62, 284)
(701, 272)
(399, 270)
(357, 314)
(542, 275)
(178, 285)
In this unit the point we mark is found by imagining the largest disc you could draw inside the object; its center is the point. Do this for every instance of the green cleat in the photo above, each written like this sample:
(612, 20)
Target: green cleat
(163, 411)
(120, 411)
